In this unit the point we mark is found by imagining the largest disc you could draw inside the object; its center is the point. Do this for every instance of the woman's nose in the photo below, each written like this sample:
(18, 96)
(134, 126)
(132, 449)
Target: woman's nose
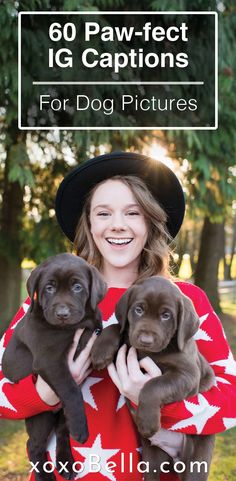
(118, 221)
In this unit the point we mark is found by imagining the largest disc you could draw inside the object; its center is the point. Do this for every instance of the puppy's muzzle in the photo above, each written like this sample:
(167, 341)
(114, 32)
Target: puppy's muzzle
(143, 339)
(62, 312)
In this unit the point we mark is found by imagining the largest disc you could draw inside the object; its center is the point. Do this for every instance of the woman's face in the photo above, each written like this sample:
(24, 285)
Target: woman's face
(118, 226)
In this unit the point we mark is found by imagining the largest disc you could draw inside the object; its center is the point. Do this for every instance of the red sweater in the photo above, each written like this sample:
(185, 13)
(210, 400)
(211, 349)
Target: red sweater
(112, 434)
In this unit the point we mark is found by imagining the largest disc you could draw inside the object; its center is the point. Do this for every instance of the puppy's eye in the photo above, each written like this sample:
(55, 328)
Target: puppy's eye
(165, 316)
(77, 287)
(138, 310)
(50, 288)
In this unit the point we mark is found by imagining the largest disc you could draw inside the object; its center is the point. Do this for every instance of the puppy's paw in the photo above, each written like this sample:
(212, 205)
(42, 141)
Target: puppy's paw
(66, 473)
(64, 463)
(81, 435)
(147, 422)
(101, 358)
(102, 362)
(45, 477)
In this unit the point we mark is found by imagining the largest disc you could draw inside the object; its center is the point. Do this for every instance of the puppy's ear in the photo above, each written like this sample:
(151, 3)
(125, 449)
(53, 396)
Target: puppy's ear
(188, 321)
(122, 308)
(98, 287)
(32, 285)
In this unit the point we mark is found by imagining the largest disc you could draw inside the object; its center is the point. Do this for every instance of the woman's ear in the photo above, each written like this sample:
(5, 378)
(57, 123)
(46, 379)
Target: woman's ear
(98, 287)
(188, 321)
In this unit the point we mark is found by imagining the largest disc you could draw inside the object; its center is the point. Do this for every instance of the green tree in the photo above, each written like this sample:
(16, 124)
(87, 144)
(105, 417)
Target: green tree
(28, 187)
(12, 167)
(211, 154)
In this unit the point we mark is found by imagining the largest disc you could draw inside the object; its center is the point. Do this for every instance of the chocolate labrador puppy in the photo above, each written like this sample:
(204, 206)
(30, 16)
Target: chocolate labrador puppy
(160, 322)
(65, 291)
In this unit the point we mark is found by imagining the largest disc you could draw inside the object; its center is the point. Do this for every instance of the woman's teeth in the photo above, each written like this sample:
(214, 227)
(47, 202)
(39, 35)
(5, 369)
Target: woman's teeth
(119, 241)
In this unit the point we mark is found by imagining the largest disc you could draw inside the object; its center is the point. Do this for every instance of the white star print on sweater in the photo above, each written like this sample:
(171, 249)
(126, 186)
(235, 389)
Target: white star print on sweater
(87, 392)
(201, 412)
(100, 461)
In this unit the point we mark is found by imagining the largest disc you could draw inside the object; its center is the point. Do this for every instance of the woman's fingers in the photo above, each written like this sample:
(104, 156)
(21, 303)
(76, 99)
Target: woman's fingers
(81, 366)
(84, 368)
(127, 374)
(85, 353)
(121, 365)
(85, 374)
(152, 370)
(74, 345)
(114, 376)
(133, 364)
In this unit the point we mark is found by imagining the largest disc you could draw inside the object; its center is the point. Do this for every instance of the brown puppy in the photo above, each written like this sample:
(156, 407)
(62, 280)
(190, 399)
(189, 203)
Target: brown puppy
(65, 291)
(159, 321)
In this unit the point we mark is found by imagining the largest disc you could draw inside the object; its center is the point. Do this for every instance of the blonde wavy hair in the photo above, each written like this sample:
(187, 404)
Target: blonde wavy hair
(155, 255)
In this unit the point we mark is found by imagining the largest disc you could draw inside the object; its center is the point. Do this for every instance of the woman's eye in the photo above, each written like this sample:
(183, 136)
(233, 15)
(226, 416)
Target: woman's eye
(77, 287)
(165, 316)
(103, 214)
(50, 288)
(133, 212)
(138, 310)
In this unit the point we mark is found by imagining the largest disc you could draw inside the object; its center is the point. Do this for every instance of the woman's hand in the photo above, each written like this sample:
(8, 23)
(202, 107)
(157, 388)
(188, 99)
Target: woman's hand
(127, 374)
(169, 441)
(79, 369)
(129, 379)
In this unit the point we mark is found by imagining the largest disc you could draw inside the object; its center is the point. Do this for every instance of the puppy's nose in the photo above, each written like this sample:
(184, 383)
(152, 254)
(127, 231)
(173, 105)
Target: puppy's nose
(62, 312)
(146, 339)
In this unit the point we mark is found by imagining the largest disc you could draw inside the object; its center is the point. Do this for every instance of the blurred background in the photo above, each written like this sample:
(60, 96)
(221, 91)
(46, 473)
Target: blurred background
(32, 164)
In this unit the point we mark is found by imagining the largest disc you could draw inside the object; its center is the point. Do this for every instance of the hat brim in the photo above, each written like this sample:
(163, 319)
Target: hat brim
(161, 181)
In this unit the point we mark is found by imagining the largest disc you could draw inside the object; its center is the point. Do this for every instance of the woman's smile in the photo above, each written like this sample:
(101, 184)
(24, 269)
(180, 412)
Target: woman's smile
(121, 242)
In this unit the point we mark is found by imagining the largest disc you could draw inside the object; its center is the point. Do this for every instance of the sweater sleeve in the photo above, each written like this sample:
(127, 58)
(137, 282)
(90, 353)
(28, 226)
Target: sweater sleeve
(215, 410)
(19, 400)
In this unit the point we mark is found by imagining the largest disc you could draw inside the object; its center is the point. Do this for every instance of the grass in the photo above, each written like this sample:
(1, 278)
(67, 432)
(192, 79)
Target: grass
(14, 464)
(223, 467)
(13, 459)
(228, 307)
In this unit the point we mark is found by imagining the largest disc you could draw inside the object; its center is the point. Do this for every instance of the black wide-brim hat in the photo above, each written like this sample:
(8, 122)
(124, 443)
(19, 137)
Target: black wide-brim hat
(160, 180)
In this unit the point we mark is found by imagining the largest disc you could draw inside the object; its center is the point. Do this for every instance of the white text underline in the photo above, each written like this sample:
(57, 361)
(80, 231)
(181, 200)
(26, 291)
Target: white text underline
(115, 83)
